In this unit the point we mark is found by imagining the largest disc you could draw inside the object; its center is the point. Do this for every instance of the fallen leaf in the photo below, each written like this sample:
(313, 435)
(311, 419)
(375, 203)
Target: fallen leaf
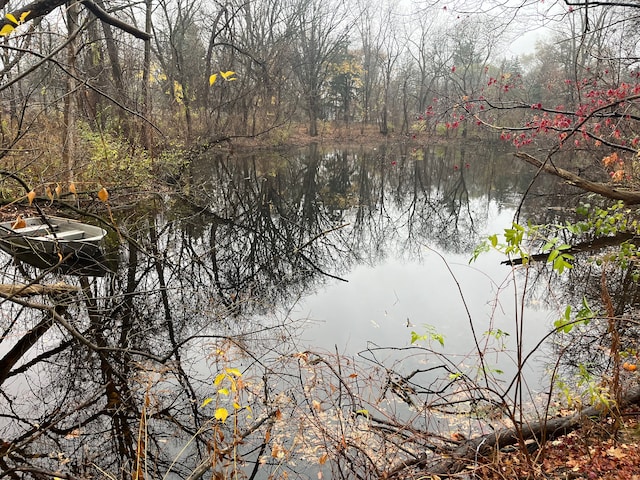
(616, 452)
(19, 223)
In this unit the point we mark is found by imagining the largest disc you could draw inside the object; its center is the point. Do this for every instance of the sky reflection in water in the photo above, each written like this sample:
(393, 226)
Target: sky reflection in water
(383, 303)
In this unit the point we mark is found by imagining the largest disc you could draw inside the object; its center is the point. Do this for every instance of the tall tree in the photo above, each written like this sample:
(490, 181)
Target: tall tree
(70, 98)
(369, 29)
(392, 49)
(180, 52)
(322, 33)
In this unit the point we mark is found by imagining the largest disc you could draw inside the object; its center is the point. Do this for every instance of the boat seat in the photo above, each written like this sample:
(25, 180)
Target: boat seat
(68, 235)
(33, 230)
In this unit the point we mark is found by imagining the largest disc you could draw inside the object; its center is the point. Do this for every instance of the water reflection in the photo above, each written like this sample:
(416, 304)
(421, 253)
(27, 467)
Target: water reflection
(113, 378)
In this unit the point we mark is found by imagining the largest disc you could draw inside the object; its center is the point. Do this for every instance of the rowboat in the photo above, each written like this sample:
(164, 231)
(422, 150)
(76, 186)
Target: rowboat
(63, 244)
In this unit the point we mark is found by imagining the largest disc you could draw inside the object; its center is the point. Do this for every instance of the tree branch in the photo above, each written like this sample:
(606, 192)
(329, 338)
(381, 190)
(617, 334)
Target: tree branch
(41, 8)
(23, 290)
(113, 21)
(630, 197)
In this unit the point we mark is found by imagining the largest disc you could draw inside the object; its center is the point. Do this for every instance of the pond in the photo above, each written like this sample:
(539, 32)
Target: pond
(280, 297)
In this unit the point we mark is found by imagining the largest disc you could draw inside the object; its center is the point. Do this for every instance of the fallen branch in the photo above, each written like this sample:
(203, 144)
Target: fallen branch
(24, 290)
(467, 453)
(590, 246)
(628, 196)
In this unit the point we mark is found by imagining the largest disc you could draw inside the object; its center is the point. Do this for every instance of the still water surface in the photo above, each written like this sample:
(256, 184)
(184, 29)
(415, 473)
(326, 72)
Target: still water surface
(400, 231)
(341, 251)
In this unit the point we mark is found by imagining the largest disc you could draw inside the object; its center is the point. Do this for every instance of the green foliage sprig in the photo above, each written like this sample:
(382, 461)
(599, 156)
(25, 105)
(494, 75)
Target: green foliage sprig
(517, 240)
(431, 334)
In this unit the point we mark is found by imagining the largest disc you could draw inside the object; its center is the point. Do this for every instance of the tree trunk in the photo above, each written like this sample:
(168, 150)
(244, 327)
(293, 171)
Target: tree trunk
(147, 138)
(70, 101)
(116, 73)
(313, 115)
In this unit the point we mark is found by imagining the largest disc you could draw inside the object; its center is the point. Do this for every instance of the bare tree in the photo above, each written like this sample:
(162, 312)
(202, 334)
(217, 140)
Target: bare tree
(322, 32)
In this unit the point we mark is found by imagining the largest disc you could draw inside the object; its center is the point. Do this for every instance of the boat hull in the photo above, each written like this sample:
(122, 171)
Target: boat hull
(63, 244)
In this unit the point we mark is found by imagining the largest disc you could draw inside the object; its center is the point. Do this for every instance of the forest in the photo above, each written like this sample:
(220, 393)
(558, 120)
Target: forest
(200, 136)
(128, 82)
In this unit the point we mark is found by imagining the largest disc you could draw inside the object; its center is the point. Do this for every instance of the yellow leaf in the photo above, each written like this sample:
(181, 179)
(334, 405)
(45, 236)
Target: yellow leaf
(236, 406)
(6, 30)
(223, 391)
(58, 189)
(221, 414)
(72, 188)
(24, 16)
(219, 378)
(227, 75)
(233, 371)
(103, 195)
(206, 402)
(12, 18)
(212, 79)
(30, 196)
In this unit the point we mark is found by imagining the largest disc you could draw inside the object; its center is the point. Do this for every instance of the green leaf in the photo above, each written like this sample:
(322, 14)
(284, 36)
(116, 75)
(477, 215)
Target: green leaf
(416, 338)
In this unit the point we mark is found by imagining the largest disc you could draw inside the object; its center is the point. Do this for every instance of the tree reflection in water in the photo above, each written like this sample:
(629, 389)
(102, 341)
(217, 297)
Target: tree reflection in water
(110, 380)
